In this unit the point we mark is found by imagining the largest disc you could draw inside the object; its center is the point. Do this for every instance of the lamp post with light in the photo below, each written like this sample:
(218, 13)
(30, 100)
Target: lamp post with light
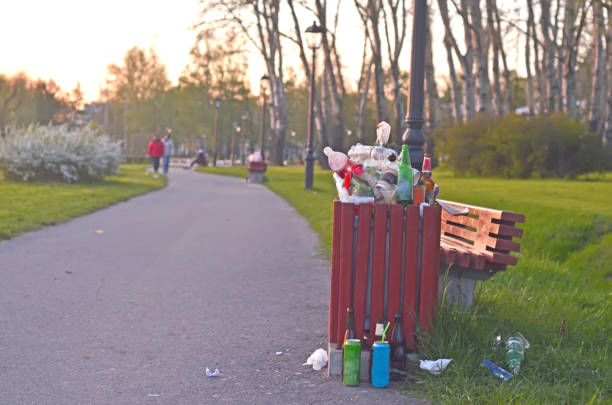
(263, 82)
(414, 137)
(217, 107)
(314, 36)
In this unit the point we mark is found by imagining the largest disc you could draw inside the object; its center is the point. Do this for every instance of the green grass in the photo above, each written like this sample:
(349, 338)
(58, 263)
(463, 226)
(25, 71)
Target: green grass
(564, 271)
(28, 206)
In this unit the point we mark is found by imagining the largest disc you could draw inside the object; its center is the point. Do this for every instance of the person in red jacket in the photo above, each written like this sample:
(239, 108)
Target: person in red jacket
(156, 151)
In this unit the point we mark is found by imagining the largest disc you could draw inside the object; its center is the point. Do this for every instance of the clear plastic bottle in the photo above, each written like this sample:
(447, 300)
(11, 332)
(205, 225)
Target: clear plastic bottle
(515, 352)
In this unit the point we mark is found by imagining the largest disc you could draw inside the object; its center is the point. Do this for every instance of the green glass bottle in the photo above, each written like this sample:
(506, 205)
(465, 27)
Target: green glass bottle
(405, 180)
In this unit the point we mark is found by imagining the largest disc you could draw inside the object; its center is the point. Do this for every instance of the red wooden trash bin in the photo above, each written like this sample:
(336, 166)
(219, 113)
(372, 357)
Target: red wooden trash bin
(377, 268)
(256, 172)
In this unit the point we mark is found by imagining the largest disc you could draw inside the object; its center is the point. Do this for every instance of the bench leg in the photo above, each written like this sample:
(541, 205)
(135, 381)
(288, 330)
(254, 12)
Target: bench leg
(460, 284)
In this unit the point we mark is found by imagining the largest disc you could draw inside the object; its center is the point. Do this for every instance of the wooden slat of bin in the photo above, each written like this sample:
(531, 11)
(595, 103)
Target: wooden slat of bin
(430, 266)
(361, 267)
(332, 327)
(346, 266)
(378, 266)
(394, 283)
(411, 249)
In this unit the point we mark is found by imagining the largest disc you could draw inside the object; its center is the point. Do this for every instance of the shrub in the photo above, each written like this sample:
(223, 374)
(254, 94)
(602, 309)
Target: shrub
(58, 153)
(518, 146)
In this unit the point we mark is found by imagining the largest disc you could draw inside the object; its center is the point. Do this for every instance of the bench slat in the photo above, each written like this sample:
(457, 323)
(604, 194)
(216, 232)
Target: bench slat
(489, 213)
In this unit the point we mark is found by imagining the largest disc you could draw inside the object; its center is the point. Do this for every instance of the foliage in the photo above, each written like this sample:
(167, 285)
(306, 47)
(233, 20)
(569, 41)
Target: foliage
(58, 153)
(24, 101)
(28, 206)
(563, 272)
(517, 146)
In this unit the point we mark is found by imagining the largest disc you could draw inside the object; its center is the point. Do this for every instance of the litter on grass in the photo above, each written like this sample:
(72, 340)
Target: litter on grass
(435, 367)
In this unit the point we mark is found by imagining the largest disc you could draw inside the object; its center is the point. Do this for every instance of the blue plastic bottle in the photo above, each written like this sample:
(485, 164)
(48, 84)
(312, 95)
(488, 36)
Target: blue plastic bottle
(380, 364)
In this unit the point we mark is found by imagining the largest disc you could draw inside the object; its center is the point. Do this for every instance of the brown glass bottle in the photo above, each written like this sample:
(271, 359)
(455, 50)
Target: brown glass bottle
(427, 180)
(398, 346)
(350, 324)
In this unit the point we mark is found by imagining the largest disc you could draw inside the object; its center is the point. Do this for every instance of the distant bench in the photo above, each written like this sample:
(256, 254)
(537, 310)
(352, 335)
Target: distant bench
(477, 244)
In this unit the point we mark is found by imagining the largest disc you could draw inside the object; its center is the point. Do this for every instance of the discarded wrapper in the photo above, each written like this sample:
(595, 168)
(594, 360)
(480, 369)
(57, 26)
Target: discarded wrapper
(318, 359)
(211, 373)
(435, 367)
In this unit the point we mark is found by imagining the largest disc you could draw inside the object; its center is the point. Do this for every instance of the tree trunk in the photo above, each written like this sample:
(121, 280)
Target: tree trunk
(549, 57)
(466, 59)
(569, 78)
(499, 104)
(431, 89)
(598, 67)
(539, 76)
(500, 44)
(481, 50)
(454, 83)
(607, 133)
(336, 126)
(530, 98)
(379, 73)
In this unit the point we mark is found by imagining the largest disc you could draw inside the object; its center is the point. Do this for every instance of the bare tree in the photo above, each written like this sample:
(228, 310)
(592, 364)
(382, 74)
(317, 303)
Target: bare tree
(466, 59)
(258, 20)
(320, 120)
(595, 118)
(363, 89)
(395, 12)
(370, 11)
(481, 48)
(431, 89)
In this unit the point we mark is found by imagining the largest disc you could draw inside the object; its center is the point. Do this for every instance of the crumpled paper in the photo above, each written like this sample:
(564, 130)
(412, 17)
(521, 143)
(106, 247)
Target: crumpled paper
(435, 367)
(318, 359)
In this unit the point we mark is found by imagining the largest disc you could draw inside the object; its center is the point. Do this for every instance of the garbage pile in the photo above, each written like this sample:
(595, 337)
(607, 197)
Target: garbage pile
(375, 173)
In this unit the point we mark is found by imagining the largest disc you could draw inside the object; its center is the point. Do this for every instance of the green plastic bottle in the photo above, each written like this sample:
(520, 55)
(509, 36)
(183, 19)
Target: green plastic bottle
(405, 180)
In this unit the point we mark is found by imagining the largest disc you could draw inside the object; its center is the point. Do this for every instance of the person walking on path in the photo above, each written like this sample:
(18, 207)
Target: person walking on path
(156, 151)
(168, 151)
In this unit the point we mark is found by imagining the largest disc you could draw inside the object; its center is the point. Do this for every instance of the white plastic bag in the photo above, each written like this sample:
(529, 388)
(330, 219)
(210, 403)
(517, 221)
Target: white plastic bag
(317, 360)
(435, 367)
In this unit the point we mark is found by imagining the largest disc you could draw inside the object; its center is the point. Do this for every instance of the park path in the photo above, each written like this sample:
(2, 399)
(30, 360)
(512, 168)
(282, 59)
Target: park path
(209, 272)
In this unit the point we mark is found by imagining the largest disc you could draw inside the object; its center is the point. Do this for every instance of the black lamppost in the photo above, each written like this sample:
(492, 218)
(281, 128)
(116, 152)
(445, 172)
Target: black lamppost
(236, 129)
(263, 82)
(414, 137)
(217, 107)
(245, 117)
(314, 36)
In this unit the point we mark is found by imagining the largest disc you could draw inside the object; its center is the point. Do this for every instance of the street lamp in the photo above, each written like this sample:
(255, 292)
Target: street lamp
(217, 107)
(245, 117)
(236, 129)
(263, 83)
(314, 36)
(414, 137)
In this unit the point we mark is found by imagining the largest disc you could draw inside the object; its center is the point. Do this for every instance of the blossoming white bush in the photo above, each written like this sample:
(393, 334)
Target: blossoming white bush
(58, 153)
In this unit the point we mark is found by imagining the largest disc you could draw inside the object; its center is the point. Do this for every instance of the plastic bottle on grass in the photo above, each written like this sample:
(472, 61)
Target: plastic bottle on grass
(496, 370)
(515, 352)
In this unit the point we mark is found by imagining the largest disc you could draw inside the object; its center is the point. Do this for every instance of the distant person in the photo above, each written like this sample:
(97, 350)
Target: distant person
(168, 151)
(156, 151)
(200, 159)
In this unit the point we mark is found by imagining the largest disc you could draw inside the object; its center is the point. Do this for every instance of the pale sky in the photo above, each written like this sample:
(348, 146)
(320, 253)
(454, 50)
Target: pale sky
(75, 40)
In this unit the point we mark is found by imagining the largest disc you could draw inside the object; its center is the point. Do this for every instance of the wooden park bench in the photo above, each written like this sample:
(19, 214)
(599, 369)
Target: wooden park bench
(476, 245)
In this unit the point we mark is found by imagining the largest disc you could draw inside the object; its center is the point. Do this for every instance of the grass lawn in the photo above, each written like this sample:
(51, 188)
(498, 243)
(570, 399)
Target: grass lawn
(564, 271)
(28, 206)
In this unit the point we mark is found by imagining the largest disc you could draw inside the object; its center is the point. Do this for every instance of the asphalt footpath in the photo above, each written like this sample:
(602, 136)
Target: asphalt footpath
(131, 304)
